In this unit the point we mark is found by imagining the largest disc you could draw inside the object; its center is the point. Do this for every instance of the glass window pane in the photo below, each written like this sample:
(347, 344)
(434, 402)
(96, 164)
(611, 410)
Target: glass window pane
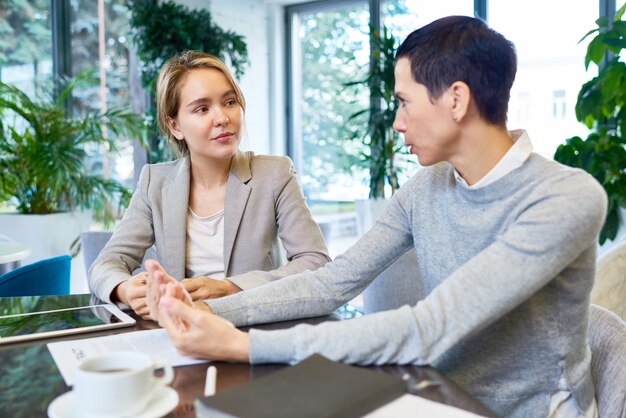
(330, 48)
(404, 16)
(551, 67)
(25, 43)
(106, 54)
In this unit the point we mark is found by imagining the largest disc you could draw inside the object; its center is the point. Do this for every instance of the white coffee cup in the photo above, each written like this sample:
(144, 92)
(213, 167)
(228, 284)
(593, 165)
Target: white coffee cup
(118, 383)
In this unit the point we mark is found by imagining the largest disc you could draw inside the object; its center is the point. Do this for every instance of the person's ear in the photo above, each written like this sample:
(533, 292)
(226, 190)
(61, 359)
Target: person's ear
(174, 128)
(460, 97)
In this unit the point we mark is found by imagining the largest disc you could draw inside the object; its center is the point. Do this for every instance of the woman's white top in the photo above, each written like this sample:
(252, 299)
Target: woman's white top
(205, 245)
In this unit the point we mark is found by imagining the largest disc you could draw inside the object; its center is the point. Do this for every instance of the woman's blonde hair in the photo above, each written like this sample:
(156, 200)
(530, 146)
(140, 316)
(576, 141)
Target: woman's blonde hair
(169, 85)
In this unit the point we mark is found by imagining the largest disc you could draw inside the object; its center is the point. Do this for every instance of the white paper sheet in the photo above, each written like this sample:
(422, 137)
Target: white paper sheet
(411, 406)
(155, 343)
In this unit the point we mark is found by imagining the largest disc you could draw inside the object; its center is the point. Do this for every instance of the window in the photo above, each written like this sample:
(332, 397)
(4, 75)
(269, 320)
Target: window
(97, 41)
(25, 43)
(403, 17)
(551, 66)
(329, 47)
(519, 107)
(559, 105)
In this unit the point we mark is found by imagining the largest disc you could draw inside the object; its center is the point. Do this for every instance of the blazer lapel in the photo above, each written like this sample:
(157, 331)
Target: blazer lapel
(175, 204)
(237, 193)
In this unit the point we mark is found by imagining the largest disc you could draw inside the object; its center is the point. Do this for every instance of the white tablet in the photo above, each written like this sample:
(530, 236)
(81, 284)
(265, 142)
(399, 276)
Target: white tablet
(53, 323)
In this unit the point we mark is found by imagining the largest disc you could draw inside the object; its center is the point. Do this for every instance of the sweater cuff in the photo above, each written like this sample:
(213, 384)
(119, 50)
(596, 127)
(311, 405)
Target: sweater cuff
(248, 280)
(231, 308)
(106, 289)
(271, 346)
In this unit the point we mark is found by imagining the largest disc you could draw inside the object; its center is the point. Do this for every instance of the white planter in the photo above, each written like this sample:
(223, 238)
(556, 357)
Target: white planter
(49, 236)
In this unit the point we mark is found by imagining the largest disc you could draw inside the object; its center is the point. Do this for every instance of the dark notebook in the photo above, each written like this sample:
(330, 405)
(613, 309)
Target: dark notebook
(315, 387)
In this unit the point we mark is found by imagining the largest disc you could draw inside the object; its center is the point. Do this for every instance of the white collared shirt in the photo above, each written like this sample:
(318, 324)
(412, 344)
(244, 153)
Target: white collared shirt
(514, 158)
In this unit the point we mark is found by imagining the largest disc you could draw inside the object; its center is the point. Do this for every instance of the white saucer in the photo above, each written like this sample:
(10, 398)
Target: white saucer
(162, 403)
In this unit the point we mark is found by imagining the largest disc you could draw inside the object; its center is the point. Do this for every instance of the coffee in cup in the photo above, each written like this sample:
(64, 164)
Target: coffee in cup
(118, 383)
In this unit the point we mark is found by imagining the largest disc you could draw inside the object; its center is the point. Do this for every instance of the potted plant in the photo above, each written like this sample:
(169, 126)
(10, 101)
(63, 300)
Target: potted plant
(383, 144)
(44, 171)
(161, 30)
(601, 106)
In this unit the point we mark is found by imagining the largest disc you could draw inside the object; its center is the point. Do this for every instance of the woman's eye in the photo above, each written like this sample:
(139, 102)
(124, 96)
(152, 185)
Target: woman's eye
(202, 109)
(231, 102)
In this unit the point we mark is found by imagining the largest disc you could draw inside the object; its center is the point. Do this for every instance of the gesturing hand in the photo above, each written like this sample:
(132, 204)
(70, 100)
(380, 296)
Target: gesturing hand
(204, 287)
(156, 284)
(199, 333)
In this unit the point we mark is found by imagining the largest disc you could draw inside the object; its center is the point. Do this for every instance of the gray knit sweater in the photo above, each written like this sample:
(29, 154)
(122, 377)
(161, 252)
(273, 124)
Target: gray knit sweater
(507, 271)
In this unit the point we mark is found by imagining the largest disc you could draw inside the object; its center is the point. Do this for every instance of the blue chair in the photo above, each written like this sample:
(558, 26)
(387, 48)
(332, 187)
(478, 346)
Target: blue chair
(46, 277)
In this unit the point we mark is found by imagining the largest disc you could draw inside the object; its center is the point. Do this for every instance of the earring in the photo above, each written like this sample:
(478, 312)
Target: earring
(455, 118)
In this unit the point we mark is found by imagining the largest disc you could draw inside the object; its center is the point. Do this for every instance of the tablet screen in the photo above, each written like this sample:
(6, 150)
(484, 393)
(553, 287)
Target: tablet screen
(59, 322)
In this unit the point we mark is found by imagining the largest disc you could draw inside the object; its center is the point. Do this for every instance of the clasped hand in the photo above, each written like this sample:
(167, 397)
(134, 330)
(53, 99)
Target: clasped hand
(204, 287)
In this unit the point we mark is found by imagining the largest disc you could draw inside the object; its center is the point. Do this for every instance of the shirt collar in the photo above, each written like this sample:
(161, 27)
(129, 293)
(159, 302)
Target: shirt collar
(514, 158)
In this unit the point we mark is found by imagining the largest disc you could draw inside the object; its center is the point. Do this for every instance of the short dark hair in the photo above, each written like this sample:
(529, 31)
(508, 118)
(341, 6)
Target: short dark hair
(462, 48)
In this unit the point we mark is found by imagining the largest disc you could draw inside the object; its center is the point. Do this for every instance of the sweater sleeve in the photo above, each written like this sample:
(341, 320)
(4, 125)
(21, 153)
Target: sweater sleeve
(560, 221)
(319, 292)
(299, 233)
(125, 250)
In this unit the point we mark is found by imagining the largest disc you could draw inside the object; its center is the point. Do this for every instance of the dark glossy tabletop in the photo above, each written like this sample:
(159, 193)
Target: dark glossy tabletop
(30, 380)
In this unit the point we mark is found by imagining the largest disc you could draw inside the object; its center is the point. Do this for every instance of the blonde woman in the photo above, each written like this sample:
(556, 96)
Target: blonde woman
(216, 214)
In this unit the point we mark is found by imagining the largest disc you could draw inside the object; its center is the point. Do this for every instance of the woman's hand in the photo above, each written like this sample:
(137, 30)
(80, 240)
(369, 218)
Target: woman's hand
(201, 334)
(132, 292)
(156, 285)
(204, 287)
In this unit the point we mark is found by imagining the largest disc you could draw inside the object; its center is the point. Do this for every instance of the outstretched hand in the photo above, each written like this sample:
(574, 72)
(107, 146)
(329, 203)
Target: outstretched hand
(156, 285)
(198, 333)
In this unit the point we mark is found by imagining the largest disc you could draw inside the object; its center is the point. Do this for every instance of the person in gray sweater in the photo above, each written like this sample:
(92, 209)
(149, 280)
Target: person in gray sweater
(505, 242)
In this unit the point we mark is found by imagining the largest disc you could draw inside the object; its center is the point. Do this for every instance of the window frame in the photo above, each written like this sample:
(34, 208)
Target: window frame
(605, 8)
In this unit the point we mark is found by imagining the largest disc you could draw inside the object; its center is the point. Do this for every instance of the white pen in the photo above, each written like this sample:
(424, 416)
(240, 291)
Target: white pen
(211, 379)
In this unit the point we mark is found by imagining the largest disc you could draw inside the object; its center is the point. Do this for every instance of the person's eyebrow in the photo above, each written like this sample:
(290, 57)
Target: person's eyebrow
(206, 100)
(201, 100)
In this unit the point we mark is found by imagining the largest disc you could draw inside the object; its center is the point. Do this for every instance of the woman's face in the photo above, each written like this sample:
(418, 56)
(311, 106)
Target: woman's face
(209, 116)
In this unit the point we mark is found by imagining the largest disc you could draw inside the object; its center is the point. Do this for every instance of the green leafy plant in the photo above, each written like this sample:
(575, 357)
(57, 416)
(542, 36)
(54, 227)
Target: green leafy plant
(44, 152)
(601, 106)
(382, 142)
(161, 30)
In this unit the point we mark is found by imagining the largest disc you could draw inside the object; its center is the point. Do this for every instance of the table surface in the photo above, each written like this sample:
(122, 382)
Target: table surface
(30, 380)
(13, 251)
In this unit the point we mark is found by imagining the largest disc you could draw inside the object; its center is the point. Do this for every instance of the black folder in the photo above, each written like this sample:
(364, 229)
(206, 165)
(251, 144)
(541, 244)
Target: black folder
(316, 387)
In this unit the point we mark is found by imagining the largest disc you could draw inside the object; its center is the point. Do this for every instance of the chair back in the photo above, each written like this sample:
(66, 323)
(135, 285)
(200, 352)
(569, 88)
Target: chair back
(607, 340)
(609, 289)
(91, 243)
(45, 277)
(399, 285)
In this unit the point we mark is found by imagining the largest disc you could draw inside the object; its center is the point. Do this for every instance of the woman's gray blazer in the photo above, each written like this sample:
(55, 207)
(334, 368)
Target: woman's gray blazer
(264, 202)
